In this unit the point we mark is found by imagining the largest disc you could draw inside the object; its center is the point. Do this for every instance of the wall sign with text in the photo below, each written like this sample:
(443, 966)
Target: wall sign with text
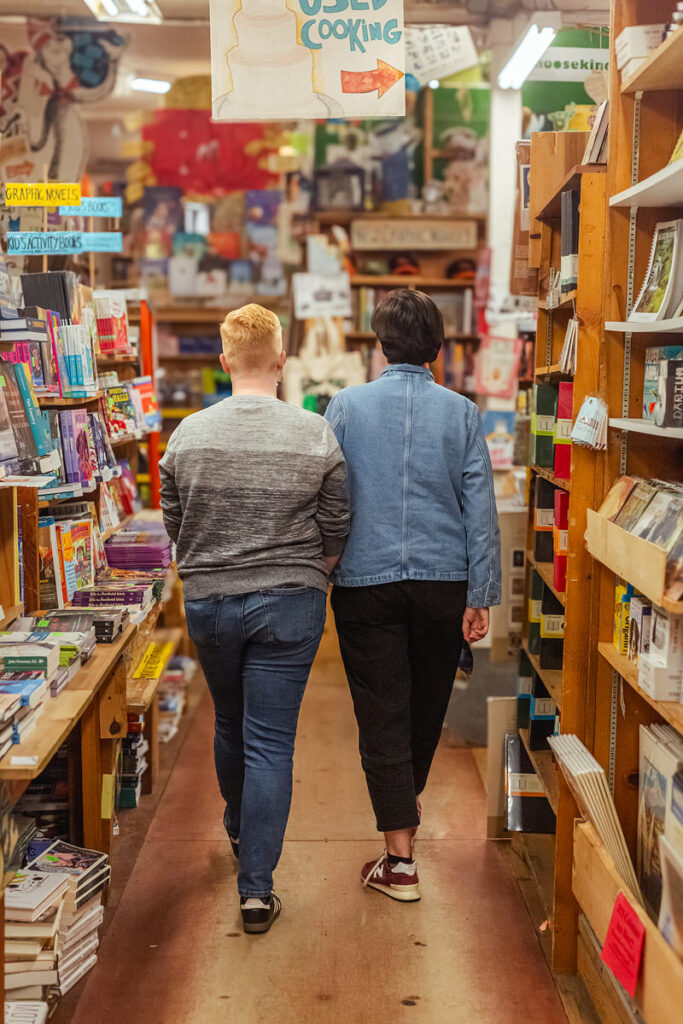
(45, 243)
(313, 59)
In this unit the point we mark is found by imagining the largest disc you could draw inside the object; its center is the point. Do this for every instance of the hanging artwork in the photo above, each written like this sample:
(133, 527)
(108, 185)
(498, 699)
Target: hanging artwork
(272, 61)
(43, 87)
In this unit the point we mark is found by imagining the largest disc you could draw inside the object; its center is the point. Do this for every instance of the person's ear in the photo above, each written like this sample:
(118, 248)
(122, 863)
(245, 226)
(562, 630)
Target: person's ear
(224, 364)
(282, 360)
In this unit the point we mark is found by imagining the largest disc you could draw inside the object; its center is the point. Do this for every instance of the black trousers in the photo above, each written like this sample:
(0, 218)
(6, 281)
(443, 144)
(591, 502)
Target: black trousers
(401, 644)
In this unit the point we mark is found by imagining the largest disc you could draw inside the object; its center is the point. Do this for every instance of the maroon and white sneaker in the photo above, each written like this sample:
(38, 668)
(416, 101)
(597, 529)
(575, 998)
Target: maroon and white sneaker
(399, 881)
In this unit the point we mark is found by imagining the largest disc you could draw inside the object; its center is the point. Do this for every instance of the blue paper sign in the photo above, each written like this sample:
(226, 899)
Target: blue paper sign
(41, 243)
(102, 241)
(94, 206)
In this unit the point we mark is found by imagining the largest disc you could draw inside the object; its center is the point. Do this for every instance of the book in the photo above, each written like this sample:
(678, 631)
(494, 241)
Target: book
(671, 911)
(67, 565)
(662, 288)
(25, 1012)
(42, 977)
(569, 240)
(661, 756)
(9, 454)
(51, 595)
(615, 498)
(668, 410)
(596, 151)
(42, 929)
(30, 687)
(31, 892)
(634, 506)
(23, 434)
(677, 153)
(661, 523)
(77, 863)
(8, 309)
(82, 543)
(653, 357)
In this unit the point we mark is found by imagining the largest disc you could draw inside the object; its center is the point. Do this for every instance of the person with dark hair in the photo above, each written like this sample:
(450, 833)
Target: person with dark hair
(420, 570)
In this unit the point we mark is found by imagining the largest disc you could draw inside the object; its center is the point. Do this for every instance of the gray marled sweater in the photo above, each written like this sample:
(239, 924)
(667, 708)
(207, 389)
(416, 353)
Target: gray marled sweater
(254, 493)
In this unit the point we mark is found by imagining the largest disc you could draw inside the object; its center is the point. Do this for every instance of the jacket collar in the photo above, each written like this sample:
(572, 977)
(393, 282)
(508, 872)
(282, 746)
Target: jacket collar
(394, 368)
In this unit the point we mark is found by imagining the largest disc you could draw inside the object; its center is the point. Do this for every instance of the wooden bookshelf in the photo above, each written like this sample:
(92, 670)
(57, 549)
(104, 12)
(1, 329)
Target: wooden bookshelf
(550, 677)
(57, 402)
(646, 119)
(544, 766)
(669, 710)
(596, 884)
(555, 167)
(407, 281)
(545, 571)
(663, 69)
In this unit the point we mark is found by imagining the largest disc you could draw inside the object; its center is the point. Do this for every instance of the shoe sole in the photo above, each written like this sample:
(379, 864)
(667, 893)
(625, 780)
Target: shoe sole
(260, 929)
(404, 894)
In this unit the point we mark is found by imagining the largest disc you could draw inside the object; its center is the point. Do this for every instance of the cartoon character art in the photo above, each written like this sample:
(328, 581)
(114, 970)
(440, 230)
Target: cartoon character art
(69, 63)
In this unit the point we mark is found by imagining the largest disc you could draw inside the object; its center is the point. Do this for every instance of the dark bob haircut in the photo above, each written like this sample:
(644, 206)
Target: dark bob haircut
(409, 326)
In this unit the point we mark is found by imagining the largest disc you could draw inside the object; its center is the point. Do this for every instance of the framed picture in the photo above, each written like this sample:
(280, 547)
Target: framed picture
(662, 288)
(339, 188)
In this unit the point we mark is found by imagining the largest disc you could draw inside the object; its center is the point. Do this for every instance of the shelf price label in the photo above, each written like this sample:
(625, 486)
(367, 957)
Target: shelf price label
(42, 193)
(94, 206)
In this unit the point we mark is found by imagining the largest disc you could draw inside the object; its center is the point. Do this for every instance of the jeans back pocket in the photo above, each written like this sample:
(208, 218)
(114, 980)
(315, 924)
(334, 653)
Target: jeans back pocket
(294, 614)
(202, 620)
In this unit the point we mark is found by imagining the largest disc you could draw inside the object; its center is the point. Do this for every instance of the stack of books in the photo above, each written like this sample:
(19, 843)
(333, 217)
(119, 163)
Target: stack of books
(661, 761)
(172, 695)
(139, 549)
(133, 766)
(29, 664)
(46, 800)
(53, 909)
(108, 623)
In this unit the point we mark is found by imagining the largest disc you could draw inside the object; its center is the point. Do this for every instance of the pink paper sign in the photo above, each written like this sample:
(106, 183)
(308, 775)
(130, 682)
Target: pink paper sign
(623, 949)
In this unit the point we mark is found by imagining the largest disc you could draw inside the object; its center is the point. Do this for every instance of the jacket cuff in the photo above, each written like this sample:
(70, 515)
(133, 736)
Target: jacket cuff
(484, 597)
(333, 545)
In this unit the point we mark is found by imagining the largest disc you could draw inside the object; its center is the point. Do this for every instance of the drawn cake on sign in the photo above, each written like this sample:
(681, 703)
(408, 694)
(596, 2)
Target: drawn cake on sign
(293, 59)
(272, 73)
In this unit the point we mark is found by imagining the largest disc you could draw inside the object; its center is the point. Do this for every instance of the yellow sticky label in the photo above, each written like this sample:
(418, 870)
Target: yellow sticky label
(153, 661)
(42, 193)
(107, 796)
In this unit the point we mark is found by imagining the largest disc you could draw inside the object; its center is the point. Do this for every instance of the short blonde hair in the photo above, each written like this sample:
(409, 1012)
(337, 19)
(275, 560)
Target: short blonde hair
(251, 337)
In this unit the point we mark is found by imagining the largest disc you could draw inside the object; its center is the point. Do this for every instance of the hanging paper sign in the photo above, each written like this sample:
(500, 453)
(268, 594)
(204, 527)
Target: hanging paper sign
(438, 52)
(315, 60)
(623, 949)
(42, 243)
(321, 295)
(95, 206)
(101, 241)
(41, 193)
(413, 233)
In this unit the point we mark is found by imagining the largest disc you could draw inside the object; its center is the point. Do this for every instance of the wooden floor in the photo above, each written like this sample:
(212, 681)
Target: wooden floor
(175, 952)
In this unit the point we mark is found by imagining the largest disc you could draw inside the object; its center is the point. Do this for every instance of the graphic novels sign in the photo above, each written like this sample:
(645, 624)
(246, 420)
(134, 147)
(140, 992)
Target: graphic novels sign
(319, 59)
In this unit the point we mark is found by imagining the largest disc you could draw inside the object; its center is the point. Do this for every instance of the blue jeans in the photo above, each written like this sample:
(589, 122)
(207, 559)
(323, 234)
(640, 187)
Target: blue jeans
(256, 651)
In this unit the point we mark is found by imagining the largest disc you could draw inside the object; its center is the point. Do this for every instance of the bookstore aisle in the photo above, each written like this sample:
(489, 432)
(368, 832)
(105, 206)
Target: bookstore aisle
(175, 952)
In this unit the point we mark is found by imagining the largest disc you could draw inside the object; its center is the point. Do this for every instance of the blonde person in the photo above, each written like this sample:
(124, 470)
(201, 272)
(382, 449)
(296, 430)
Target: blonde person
(254, 494)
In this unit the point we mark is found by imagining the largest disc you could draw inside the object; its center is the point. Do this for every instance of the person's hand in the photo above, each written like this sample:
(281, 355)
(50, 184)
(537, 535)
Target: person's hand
(475, 624)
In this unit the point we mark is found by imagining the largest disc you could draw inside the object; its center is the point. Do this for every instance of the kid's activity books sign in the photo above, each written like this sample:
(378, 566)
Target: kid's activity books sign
(285, 59)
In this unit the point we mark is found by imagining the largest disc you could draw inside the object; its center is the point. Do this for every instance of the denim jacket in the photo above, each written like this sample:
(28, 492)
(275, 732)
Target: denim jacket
(421, 485)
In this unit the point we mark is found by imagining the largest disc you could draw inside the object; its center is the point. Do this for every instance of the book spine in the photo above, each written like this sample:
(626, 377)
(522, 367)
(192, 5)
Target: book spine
(32, 410)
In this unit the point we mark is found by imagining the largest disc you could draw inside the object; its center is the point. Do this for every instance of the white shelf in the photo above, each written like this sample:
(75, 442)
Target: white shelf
(665, 188)
(637, 426)
(646, 326)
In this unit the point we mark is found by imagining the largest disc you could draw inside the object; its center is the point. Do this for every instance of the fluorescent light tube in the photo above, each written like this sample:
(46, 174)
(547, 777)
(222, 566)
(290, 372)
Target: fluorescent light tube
(158, 85)
(132, 11)
(536, 40)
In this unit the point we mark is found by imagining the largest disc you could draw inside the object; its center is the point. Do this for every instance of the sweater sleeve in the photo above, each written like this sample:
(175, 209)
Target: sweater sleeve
(481, 520)
(333, 515)
(170, 499)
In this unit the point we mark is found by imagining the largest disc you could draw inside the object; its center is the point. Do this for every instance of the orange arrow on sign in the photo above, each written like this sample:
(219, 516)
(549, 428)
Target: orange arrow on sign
(367, 81)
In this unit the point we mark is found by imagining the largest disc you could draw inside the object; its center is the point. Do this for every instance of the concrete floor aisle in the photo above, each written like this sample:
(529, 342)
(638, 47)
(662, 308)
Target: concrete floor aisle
(175, 952)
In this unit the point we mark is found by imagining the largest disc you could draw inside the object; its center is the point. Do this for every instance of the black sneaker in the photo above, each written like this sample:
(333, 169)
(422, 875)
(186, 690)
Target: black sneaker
(258, 915)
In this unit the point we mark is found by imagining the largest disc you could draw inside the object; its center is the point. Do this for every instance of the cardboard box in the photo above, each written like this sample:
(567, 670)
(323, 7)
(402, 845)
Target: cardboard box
(658, 681)
(535, 598)
(640, 616)
(560, 573)
(528, 809)
(666, 638)
(637, 41)
(540, 729)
